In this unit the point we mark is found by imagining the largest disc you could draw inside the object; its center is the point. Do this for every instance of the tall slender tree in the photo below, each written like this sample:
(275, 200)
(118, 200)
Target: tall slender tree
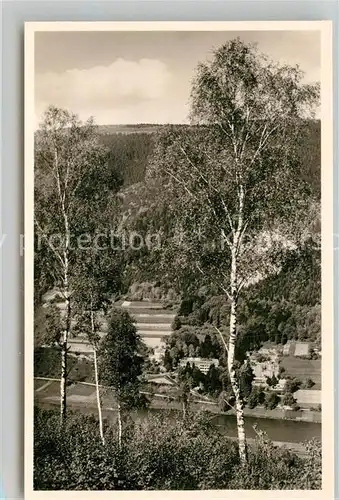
(89, 302)
(120, 364)
(232, 182)
(67, 157)
(96, 280)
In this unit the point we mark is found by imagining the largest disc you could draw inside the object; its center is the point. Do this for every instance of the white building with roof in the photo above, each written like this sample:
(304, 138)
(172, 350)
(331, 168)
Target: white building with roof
(203, 364)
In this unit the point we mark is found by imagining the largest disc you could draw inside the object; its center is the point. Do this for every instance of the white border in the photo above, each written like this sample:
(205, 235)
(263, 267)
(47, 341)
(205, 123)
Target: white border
(325, 28)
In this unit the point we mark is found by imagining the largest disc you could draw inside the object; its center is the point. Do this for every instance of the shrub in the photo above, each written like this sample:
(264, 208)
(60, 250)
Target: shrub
(47, 364)
(160, 453)
(261, 358)
(272, 381)
(282, 370)
(307, 384)
(292, 385)
(274, 468)
(288, 399)
(271, 400)
(176, 324)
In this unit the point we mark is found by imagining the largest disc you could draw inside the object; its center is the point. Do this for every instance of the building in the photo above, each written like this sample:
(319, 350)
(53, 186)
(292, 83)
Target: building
(160, 379)
(262, 371)
(203, 364)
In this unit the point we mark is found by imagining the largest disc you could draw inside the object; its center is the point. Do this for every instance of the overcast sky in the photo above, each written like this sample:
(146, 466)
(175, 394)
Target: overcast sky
(134, 77)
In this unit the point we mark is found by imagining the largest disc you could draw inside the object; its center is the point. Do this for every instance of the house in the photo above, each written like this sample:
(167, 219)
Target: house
(203, 364)
(160, 379)
(265, 370)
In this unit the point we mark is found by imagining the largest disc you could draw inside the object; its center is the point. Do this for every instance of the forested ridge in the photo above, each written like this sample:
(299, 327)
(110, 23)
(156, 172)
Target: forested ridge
(131, 145)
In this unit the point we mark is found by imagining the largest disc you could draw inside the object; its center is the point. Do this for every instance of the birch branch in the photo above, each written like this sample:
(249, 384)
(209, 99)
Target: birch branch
(181, 182)
(222, 338)
(218, 285)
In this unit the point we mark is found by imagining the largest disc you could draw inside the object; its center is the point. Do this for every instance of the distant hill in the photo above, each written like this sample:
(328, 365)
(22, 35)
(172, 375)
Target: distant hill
(144, 128)
(137, 128)
(131, 146)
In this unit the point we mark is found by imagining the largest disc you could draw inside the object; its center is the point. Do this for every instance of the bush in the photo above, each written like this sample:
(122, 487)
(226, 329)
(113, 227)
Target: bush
(160, 453)
(272, 381)
(274, 468)
(47, 364)
(271, 400)
(307, 384)
(292, 385)
(176, 324)
(282, 370)
(155, 455)
(261, 358)
(73, 458)
(289, 400)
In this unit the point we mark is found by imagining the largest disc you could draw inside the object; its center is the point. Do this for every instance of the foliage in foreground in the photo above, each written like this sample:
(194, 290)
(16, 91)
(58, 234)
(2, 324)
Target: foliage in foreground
(159, 454)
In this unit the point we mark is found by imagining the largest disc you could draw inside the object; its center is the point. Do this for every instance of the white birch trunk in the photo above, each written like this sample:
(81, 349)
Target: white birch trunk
(63, 378)
(239, 410)
(98, 397)
(119, 426)
(65, 263)
(184, 409)
(64, 347)
(96, 374)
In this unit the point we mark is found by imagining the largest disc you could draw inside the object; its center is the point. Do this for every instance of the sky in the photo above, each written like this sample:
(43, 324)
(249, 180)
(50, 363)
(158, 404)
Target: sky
(144, 77)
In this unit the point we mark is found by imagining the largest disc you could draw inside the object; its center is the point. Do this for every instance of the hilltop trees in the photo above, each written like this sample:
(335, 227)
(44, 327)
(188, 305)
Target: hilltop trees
(234, 178)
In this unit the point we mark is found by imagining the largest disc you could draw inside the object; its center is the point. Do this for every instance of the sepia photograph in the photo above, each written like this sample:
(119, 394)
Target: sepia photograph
(178, 333)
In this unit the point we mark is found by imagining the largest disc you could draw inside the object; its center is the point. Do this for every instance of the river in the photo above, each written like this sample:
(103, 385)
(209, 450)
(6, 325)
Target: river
(286, 431)
(289, 431)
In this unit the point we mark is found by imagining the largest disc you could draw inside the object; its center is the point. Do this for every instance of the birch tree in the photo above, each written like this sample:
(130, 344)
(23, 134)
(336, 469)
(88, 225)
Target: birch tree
(96, 280)
(89, 302)
(67, 155)
(232, 181)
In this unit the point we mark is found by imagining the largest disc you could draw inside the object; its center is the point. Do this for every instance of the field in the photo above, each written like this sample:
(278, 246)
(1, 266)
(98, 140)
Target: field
(303, 369)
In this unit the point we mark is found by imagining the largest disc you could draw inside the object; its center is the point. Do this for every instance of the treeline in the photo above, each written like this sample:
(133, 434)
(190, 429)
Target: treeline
(130, 151)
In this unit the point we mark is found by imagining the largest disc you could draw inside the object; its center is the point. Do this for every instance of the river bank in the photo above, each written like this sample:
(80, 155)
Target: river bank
(226, 426)
(259, 412)
(48, 389)
(82, 397)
